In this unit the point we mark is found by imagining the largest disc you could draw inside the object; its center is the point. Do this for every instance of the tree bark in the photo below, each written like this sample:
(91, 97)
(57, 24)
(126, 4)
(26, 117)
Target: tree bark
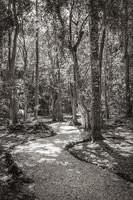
(78, 100)
(1, 47)
(74, 96)
(95, 72)
(126, 57)
(54, 105)
(105, 94)
(101, 49)
(37, 67)
(13, 100)
(85, 114)
(60, 113)
(25, 88)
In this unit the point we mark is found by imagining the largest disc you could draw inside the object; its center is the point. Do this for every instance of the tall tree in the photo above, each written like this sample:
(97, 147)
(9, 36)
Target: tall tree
(77, 21)
(37, 64)
(95, 72)
(126, 58)
(12, 58)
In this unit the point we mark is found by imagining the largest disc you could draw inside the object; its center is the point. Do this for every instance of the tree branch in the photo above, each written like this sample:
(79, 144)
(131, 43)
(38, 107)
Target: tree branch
(70, 23)
(81, 33)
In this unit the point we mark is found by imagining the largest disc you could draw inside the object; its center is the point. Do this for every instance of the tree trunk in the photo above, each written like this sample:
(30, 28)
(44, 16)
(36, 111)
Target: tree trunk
(101, 49)
(77, 96)
(60, 113)
(54, 105)
(13, 100)
(57, 114)
(126, 57)
(37, 67)
(1, 47)
(75, 85)
(105, 96)
(9, 41)
(107, 114)
(95, 72)
(100, 56)
(25, 76)
(25, 89)
(85, 114)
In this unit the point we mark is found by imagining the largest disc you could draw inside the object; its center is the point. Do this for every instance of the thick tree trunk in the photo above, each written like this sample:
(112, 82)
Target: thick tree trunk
(85, 113)
(12, 48)
(126, 56)
(37, 68)
(74, 96)
(95, 72)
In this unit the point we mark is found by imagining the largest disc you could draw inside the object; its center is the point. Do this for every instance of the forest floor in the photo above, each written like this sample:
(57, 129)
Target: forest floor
(115, 153)
(59, 175)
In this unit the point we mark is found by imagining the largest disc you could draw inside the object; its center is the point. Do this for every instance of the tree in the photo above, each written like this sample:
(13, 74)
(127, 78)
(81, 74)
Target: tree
(37, 65)
(126, 58)
(74, 27)
(12, 58)
(95, 72)
(24, 53)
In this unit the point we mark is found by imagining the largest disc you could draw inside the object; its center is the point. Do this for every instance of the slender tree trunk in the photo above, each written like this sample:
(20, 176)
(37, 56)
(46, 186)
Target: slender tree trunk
(78, 100)
(13, 101)
(54, 105)
(9, 65)
(105, 94)
(74, 99)
(107, 113)
(1, 47)
(126, 56)
(25, 89)
(101, 49)
(25, 77)
(95, 72)
(100, 56)
(60, 113)
(9, 50)
(37, 67)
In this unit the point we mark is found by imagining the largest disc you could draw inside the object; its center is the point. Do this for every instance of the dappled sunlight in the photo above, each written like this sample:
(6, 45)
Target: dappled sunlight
(39, 148)
(9, 144)
(3, 135)
(37, 153)
(63, 128)
(65, 163)
(78, 147)
(47, 150)
(58, 141)
(48, 160)
(114, 153)
(121, 146)
(93, 145)
(4, 178)
(125, 154)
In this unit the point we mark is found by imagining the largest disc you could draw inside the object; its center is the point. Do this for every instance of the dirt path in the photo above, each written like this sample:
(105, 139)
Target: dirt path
(60, 176)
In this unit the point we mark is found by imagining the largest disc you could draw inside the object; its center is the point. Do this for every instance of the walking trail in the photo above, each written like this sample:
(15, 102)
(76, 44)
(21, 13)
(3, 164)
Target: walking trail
(58, 175)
